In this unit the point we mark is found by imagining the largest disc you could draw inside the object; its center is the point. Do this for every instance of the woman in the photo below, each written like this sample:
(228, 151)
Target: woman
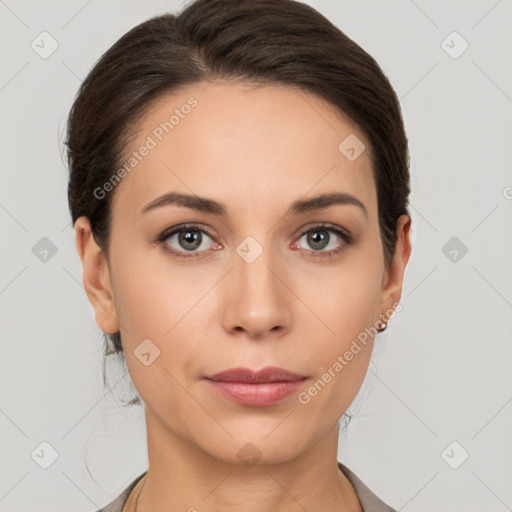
(239, 186)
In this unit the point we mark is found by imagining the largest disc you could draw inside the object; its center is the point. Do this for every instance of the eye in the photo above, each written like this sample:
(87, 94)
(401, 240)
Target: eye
(187, 238)
(320, 238)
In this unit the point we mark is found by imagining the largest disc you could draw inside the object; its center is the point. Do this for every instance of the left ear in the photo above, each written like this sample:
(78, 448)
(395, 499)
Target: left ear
(394, 273)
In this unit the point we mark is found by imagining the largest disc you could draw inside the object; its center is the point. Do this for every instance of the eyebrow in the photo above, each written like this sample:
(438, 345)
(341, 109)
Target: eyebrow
(203, 204)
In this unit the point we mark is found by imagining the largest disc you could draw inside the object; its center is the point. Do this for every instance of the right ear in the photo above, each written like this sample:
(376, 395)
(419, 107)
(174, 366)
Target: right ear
(96, 277)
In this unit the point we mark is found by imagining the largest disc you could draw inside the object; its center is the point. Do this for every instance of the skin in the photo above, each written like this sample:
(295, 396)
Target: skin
(256, 150)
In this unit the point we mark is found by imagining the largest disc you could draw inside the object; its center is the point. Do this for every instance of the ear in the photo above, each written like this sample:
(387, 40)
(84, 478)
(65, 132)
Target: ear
(96, 277)
(394, 273)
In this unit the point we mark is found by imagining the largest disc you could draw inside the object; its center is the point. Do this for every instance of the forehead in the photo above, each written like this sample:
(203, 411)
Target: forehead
(251, 147)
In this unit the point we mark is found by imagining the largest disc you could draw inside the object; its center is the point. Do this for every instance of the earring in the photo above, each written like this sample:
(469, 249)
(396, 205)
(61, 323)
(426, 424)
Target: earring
(383, 327)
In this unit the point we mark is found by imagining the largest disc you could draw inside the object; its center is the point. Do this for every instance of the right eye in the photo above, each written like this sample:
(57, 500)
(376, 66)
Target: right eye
(183, 239)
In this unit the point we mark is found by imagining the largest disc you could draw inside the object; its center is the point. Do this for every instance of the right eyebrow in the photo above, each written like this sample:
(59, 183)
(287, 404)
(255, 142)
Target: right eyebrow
(201, 204)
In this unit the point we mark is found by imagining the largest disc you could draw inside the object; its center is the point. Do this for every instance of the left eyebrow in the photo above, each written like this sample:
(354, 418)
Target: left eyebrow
(206, 205)
(324, 201)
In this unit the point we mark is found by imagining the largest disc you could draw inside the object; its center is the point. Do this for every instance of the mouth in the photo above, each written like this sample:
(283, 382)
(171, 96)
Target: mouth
(257, 388)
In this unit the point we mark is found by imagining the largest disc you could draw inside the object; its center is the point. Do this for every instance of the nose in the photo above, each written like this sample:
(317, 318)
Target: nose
(257, 298)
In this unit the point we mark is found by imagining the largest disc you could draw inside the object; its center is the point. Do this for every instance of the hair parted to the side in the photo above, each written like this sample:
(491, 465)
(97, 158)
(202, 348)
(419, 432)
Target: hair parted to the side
(270, 42)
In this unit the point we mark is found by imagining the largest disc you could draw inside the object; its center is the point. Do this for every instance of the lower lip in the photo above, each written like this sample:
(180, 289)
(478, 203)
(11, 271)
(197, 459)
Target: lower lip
(266, 393)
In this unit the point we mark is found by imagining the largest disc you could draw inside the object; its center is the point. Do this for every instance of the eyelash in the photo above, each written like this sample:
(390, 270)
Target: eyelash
(346, 237)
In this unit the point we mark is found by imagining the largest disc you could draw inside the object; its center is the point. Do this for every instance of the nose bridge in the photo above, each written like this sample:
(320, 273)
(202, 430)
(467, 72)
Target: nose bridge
(254, 268)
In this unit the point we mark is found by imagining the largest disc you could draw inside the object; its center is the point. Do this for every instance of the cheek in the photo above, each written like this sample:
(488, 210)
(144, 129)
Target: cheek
(347, 308)
(346, 299)
(156, 302)
(164, 303)
(149, 296)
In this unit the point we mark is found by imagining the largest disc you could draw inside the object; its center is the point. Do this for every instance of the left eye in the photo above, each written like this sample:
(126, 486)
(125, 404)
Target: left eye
(320, 238)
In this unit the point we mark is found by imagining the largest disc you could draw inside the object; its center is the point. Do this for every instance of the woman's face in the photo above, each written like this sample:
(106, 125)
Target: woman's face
(254, 279)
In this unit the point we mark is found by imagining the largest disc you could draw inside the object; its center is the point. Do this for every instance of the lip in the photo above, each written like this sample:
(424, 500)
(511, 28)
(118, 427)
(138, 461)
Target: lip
(257, 388)
(265, 375)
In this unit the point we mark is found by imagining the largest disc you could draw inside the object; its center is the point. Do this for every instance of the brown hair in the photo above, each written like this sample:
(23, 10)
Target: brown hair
(259, 41)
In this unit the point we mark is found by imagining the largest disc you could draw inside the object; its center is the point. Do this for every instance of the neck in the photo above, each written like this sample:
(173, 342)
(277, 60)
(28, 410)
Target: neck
(182, 477)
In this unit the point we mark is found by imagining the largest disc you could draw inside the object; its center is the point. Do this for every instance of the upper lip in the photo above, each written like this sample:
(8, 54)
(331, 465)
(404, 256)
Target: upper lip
(267, 374)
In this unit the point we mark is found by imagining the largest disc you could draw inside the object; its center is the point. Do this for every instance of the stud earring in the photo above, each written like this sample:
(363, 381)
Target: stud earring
(383, 326)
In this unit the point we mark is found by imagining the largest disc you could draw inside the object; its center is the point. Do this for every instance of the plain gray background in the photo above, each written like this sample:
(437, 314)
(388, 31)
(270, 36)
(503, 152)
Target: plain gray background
(440, 373)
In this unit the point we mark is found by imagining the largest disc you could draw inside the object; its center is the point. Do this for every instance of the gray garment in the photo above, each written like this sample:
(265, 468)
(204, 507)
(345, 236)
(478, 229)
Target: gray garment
(369, 501)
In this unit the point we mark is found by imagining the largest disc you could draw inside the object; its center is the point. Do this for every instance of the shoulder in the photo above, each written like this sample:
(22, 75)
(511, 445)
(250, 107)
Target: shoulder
(369, 501)
(118, 504)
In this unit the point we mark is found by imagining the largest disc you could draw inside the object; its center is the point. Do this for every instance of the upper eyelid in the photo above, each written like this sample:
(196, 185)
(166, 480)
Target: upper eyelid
(176, 229)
